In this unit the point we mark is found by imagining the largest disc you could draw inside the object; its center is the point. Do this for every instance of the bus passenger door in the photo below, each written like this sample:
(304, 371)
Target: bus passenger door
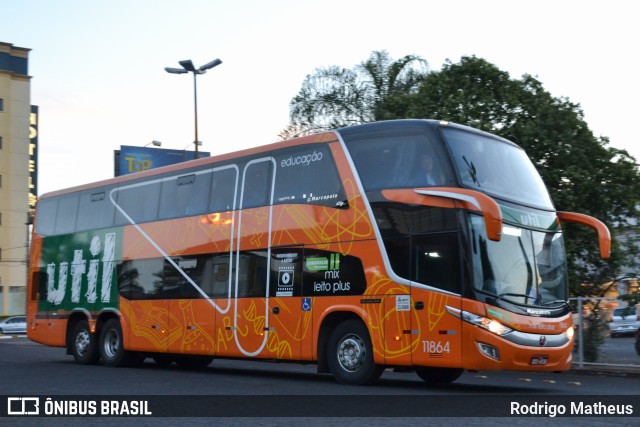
(187, 280)
(289, 314)
(437, 273)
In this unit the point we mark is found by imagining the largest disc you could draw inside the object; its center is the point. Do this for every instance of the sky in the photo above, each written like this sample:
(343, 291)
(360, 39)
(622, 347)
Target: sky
(98, 74)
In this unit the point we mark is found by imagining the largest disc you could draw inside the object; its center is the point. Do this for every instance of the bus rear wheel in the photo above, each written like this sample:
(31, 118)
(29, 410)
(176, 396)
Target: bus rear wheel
(84, 345)
(112, 349)
(350, 354)
(433, 375)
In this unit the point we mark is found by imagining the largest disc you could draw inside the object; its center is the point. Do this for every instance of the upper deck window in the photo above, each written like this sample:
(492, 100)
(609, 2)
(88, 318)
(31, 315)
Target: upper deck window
(308, 175)
(401, 157)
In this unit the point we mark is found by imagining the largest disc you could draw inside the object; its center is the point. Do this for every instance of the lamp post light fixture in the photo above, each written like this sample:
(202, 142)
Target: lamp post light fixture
(155, 143)
(188, 67)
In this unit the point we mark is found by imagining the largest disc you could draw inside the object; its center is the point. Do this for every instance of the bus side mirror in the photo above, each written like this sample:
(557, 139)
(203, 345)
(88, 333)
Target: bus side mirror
(604, 237)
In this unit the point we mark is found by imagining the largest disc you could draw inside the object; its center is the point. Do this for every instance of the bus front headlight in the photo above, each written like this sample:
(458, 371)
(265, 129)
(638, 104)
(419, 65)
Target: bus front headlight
(569, 333)
(490, 325)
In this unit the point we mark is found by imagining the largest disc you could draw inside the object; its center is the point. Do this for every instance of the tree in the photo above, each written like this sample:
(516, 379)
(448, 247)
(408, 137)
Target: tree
(335, 97)
(582, 173)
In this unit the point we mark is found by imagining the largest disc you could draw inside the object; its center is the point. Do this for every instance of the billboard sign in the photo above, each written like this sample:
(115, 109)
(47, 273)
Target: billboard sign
(132, 159)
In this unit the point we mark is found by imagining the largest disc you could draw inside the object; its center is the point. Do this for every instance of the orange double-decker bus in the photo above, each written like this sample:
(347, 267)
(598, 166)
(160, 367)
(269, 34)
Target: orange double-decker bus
(410, 243)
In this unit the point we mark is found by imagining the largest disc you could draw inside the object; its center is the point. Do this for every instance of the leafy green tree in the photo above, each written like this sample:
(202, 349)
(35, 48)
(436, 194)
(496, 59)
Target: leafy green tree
(581, 171)
(334, 97)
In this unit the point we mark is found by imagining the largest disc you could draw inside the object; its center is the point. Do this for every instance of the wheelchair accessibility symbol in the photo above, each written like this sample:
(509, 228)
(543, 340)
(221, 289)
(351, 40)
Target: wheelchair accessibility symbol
(306, 304)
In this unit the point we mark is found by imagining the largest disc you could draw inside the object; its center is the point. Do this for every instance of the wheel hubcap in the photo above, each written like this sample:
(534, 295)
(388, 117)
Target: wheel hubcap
(82, 342)
(351, 353)
(112, 343)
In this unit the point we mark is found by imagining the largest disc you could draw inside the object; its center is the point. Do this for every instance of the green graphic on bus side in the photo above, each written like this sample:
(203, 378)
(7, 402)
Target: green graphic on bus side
(79, 271)
(323, 263)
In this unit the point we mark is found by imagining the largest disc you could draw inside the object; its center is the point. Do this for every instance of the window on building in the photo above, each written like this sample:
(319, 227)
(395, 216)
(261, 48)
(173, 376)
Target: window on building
(0, 143)
(1, 104)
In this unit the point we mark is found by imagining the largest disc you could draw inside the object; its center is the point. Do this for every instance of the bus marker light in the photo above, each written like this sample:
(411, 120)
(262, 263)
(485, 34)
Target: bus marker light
(489, 350)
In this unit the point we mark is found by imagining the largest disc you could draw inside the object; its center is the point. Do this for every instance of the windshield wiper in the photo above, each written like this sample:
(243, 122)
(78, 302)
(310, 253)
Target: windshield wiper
(499, 297)
(471, 168)
(509, 294)
(559, 301)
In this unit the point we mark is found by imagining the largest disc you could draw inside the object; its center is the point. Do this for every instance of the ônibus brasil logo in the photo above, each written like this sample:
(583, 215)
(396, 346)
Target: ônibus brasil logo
(96, 272)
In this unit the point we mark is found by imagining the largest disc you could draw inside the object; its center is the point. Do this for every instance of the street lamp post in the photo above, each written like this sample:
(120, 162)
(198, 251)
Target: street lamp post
(187, 66)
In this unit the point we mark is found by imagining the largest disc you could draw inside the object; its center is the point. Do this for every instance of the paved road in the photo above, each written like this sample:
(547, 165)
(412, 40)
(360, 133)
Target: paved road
(28, 369)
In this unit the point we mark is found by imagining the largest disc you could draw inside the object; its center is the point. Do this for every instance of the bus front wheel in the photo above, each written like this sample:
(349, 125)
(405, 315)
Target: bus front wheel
(84, 345)
(350, 354)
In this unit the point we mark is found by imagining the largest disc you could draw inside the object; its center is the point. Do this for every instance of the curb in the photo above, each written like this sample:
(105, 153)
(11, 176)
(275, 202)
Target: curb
(628, 371)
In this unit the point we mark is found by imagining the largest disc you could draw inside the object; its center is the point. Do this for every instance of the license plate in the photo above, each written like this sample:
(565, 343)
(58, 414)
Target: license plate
(539, 360)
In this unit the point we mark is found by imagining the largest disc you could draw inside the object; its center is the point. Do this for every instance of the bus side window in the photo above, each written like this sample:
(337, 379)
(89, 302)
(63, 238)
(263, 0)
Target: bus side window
(308, 174)
(67, 214)
(39, 280)
(139, 201)
(218, 282)
(96, 210)
(141, 279)
(185, 195)
(223, 190)
(252, 280)
(257, 184)
(436, 261)
(46, 216)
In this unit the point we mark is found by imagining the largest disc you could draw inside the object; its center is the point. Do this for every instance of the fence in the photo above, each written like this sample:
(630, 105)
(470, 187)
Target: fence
(594, 345)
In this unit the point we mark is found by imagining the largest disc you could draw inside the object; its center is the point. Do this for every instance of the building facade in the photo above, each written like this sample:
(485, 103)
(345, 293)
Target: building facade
(15, 114)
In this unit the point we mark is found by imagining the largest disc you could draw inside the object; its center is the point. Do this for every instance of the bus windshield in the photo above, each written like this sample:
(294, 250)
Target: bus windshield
(496, 167)
(526, 267)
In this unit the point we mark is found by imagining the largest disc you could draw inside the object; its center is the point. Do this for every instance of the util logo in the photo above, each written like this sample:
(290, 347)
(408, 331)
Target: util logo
(99, 256)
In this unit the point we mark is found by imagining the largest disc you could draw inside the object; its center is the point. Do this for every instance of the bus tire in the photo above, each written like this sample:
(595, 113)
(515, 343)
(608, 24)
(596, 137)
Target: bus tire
(433, 375)
(84, 344)
(350, 354)
(112, 349)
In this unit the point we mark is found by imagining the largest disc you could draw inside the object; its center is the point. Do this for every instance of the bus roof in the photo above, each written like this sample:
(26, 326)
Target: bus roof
(311, 139)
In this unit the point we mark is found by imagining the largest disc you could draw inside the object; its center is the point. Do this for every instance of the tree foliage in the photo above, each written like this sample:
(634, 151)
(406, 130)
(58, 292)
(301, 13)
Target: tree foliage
(335, 97)
(581, 171)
